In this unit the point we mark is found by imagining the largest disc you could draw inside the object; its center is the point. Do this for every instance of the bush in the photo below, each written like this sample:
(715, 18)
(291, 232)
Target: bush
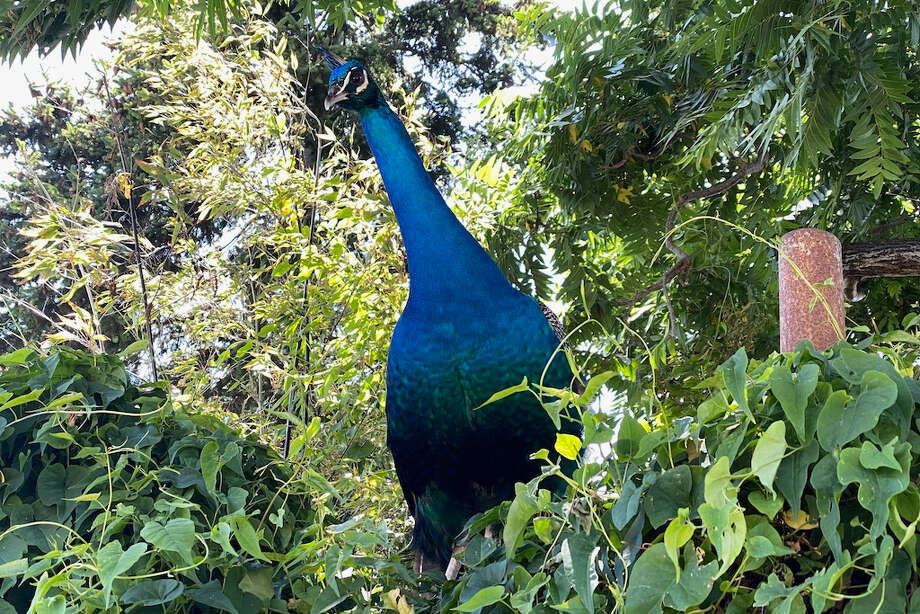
(113, 499)
(793, 488)
(794, 484)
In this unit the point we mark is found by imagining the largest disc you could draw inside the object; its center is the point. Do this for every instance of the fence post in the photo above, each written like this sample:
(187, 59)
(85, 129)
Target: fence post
(810, 289)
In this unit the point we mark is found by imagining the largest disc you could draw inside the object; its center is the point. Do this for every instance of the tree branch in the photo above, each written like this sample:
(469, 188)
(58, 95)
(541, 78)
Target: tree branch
(892, 258)
(683, 259)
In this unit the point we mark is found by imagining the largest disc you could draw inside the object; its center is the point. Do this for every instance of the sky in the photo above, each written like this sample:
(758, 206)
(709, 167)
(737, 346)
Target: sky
(16, 77)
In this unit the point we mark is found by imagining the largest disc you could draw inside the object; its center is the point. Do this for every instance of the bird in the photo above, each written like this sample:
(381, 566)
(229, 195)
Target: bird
(464, 334)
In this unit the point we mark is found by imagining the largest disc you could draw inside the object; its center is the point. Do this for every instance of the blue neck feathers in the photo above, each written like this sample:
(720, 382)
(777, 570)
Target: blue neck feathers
(446, 264)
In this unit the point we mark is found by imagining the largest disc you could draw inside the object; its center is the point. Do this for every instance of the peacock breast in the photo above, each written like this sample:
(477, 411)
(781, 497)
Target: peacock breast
(442, 369)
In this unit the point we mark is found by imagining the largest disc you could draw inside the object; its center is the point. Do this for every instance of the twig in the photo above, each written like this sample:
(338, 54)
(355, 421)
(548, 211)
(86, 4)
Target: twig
(311, 225)
(895, 221)
(137, 247)
(683, 259)
(631, 152)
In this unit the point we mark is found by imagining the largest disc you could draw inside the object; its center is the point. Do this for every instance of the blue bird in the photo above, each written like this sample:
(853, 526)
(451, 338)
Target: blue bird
(465, 334)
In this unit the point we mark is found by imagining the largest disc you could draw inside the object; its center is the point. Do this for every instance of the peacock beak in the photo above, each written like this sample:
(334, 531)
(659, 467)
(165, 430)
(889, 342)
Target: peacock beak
(334, 97)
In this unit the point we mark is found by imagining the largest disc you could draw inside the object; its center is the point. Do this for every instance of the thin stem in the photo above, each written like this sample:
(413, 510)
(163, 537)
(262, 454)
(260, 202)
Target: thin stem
(683, 258)
(288, 427)
(137, 247)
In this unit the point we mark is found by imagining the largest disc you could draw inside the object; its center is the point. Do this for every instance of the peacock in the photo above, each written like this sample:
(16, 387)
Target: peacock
(464, 334)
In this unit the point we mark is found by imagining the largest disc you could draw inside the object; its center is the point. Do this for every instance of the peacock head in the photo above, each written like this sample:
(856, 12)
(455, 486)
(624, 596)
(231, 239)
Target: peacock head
(350, 84)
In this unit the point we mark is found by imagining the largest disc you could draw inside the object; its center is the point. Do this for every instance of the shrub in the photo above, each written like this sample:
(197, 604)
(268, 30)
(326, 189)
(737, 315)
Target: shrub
(114, 499)
(795, 483)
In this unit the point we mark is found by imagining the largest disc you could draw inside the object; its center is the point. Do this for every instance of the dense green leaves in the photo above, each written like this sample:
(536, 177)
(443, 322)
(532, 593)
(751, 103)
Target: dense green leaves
(841, 420)
(742, 510)
(650, 104)
(116, 509)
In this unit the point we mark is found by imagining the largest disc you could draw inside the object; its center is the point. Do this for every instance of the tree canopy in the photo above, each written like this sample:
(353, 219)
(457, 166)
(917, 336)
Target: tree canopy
(675, 141)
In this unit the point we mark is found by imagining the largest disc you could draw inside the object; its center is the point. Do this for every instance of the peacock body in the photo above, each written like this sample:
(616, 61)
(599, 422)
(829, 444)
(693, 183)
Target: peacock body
(465, 334)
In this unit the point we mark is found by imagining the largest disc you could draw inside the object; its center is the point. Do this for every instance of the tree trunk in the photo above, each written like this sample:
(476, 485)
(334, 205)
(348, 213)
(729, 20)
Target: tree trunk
(894, 258)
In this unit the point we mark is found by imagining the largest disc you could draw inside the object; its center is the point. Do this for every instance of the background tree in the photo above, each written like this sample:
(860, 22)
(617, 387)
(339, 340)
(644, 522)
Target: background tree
(656, 118)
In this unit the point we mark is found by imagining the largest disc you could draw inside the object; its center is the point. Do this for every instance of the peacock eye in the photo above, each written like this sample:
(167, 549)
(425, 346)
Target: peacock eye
(357, 77)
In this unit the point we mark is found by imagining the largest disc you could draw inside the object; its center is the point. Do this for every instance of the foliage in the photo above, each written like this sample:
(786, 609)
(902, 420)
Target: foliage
(648, 101)
(42, 25)
(794, 483)
(229, 304)
(115, 498)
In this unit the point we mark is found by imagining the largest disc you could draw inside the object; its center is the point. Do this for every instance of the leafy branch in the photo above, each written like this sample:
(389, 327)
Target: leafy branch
(683, 259)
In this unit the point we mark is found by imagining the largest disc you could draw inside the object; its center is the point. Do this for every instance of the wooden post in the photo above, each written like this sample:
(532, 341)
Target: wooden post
(810, 289)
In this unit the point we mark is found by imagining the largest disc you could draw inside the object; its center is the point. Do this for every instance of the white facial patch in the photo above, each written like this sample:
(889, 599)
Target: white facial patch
(363, 85)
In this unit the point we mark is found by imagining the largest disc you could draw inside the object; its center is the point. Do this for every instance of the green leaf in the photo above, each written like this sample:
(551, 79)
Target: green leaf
(872, 457)
(669, 493)
(211, 595)
(767, 507)
(22, 399)
(579, 556)
(593, 386)
(876, 486)
(650, 579)
(629, 437)
(717, 487)
(712, 408)
(486, 596)
(220, 533)
(247, 538)
(522, 509)
(210, 466)
(759, 527)
(759, 546)
(678, 532)
(258, 581)
(112, 561)
(793, 393)
(627, 505)
(53, 605)
(823, 582)
(177, 535)
(507, 392)
(17, 358)
(773, 589)
(768, 453)
(568, 445)
(853, 364)
(726, 529)
(522, 600)
(153, 592)
(827, 488)
(840, 423)
(793, 473)
(543, 527)
(734, 373)
(13, 568)
(696, 583)
(51, 484)
(133, 348)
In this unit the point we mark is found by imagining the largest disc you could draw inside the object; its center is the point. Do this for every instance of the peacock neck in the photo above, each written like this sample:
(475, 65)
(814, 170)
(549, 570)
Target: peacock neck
(446, 264)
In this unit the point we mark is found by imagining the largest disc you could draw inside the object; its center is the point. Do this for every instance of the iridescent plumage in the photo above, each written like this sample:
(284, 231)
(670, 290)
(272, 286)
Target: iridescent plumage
(464, 334)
